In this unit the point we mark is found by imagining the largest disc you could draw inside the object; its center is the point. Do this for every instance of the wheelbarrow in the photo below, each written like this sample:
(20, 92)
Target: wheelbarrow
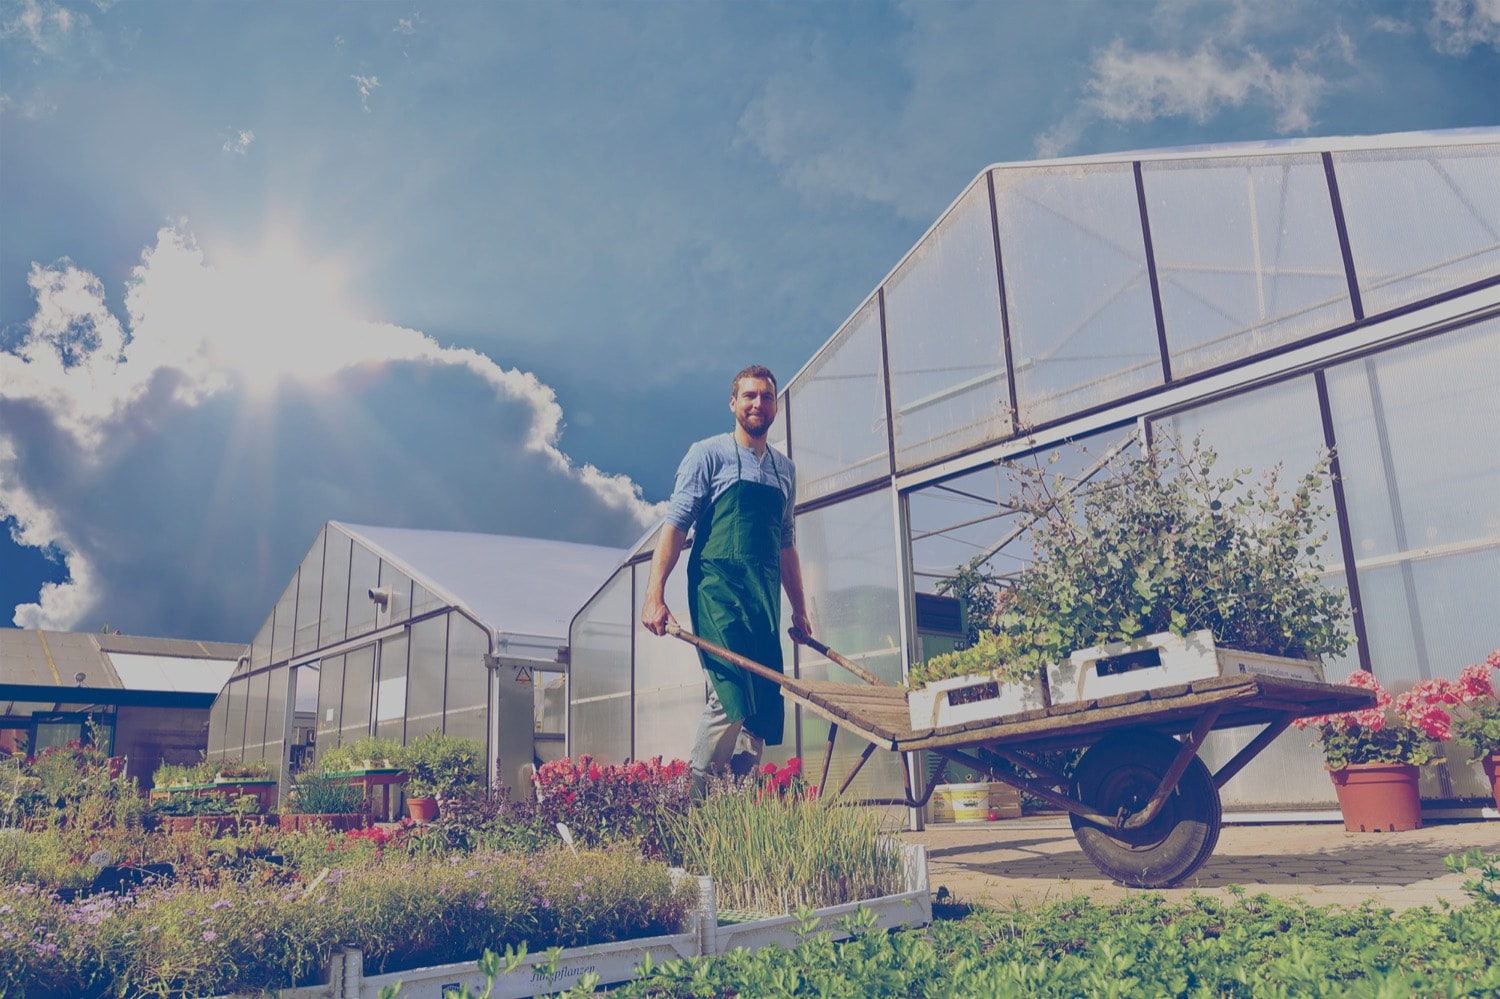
(1143, 805)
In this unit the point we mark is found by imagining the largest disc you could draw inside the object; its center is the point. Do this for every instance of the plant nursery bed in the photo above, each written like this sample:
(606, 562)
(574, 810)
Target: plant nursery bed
(707, 932)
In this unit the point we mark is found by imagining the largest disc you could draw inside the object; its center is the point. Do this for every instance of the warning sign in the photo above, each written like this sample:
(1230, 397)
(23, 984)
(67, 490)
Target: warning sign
(523, 675)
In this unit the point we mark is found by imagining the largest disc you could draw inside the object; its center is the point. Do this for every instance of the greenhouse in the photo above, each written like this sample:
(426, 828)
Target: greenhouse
(1282, 300)
(395, 632)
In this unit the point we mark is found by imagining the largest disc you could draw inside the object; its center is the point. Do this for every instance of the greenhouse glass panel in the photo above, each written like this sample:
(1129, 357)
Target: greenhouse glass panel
(330, 698)
(427, 676)
(468, 680)
(276, 687)
(218, 715)
(840, 397)
(309, 595)
(1082, 323)
(1421, 221)
(599, 716)
(260, 649)
(255, 716)
(399, 584)
(331, 629)
(1247, 256)
(359, 675)
(284, 623)
(1422, 508)
(854, 594)
(551, 702)
(235, 699)
(1276, 425)
(424, 600)
(364, 576)
(670, 687)
(944, 339)
(390, 690)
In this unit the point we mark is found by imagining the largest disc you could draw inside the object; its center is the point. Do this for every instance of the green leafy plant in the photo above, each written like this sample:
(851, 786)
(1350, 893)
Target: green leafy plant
(446, 765)
(360, 754)
(252, 769)
(1160, 542)
(319, 794)
(1395, 730)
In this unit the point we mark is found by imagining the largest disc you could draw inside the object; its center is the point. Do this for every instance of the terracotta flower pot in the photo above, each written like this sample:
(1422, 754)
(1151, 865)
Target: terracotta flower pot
(1491, 765)
(340, 822)
(422, 809)
(1378, 797)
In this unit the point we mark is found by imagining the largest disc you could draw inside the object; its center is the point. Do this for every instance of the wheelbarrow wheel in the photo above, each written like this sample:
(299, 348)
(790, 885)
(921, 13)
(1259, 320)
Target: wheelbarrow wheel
(1120, 773)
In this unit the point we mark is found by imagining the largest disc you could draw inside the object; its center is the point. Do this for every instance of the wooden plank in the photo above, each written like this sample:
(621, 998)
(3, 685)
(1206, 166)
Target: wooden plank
(1125, 697)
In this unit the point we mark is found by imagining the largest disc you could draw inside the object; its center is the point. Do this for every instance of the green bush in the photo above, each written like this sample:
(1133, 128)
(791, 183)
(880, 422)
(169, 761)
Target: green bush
(353, 755)
(446, 766)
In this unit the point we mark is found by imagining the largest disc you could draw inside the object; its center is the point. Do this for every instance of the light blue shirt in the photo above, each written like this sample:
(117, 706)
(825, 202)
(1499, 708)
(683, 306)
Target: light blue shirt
(709, 468)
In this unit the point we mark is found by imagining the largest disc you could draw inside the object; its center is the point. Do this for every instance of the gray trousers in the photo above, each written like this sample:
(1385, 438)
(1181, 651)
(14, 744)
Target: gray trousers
(722, 744)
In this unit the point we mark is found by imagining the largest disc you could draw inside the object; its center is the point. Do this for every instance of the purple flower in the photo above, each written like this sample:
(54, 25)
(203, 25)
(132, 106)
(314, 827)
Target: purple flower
(210, 935)
(222, 903)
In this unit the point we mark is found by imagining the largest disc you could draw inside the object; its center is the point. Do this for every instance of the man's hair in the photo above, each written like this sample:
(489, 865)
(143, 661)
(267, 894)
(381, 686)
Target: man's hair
(754, 371)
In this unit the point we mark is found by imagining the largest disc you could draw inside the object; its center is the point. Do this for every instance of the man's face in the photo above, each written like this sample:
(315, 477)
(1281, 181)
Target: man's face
(754, 405)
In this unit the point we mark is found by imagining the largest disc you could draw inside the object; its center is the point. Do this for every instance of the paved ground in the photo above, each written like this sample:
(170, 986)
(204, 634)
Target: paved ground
(1035, 859)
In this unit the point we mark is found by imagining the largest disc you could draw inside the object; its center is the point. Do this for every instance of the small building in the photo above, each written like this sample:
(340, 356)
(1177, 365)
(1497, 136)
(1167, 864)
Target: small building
(149, 697)
(395, 632)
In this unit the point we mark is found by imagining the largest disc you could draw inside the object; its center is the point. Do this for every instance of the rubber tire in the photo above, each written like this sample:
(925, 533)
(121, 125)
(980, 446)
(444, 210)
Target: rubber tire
(1123, 770)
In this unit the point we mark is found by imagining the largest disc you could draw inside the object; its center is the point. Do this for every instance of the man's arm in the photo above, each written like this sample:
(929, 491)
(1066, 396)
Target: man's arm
(655, 615)
(791, 581)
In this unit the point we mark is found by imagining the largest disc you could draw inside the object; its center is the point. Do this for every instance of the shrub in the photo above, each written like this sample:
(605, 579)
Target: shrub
(442, 765)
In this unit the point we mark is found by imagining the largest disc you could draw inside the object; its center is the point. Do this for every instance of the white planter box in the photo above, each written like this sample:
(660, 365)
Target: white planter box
(1161, 661)
(912, 907)
(963, 699)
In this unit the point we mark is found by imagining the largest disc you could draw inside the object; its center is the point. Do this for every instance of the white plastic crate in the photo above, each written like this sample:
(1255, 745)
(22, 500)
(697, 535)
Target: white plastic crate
(1161, 661)
(980, 697)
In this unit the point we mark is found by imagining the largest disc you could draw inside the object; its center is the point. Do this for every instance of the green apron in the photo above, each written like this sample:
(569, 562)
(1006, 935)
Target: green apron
(734, 594)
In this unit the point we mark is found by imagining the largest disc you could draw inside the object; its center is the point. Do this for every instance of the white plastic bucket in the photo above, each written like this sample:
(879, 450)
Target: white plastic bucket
(960, 802)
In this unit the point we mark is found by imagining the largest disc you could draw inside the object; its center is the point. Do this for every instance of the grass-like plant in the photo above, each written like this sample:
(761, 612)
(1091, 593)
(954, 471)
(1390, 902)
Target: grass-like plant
(773, 853)
(318, 794)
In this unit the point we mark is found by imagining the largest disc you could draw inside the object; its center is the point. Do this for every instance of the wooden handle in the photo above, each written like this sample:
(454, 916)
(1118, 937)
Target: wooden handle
(733, 658)
(803, 638)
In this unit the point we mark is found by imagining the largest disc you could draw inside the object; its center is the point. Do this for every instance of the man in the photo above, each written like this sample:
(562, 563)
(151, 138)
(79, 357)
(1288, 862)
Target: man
(737, 493)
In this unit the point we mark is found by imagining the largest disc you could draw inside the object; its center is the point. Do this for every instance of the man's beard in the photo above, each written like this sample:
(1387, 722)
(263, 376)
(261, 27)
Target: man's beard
(746, 424)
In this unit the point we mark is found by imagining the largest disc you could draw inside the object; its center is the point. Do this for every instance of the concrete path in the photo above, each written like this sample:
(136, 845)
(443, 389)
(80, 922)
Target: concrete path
(1030, 860)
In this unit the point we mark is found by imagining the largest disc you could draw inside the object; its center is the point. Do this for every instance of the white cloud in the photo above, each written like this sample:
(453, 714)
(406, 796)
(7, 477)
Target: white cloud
(406, 25)
(42, 23)
(367, 86)
(239, 141)
(107, 428)
(1459, 26)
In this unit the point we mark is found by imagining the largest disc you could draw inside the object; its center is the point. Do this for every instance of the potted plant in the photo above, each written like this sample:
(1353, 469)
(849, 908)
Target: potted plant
(317, 799)
(1468, 710)
(441, 766)
(363, 754)
(421, 799)
(1374, 756)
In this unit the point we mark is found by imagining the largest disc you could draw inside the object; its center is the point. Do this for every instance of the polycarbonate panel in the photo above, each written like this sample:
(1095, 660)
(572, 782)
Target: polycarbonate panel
(309, 597)
(1420, 221)
(1247, 256)
(468, 680)
(424, 600)
(1423, 508)
(944, 339)
(284, 622)
(670, 686)
(854, 593)
(359, 682)
(599, 715)
(364, 576)
(276, 690)
(399, 584)
(427, 673)
(218, 715)
(840, 399)
(234, 728)
(1082, 324)
(260, 649)
(390, 689)
(330, 701)
(335, 589)
(550, 702)
(255, 716)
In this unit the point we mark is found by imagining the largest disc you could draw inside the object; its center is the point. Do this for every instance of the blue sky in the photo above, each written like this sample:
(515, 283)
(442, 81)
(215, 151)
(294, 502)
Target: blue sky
(489, 267)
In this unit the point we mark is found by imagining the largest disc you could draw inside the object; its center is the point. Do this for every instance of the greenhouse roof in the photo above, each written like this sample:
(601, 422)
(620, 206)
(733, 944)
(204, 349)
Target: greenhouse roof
(516, 586)
(51, 662)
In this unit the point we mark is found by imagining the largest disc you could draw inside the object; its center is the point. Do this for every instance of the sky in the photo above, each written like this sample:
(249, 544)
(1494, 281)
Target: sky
(490, 266)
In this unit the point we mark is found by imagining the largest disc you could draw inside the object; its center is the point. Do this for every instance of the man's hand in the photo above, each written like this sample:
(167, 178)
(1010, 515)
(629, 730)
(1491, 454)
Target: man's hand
(655, 616)
(802, 622)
